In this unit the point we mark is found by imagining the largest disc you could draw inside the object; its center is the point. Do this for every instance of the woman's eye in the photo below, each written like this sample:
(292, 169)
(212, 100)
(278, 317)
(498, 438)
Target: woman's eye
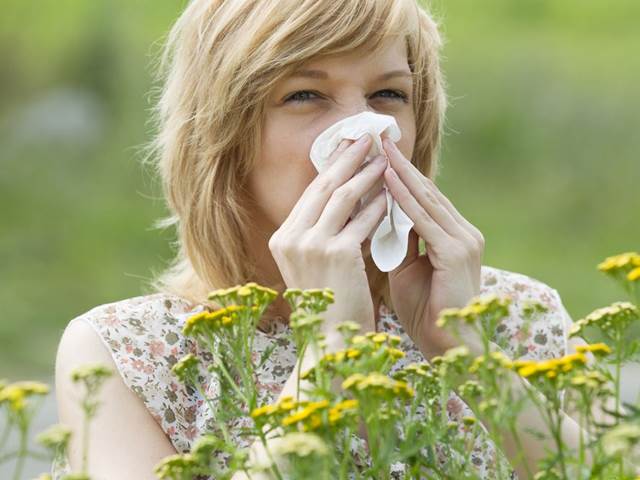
(298, 97)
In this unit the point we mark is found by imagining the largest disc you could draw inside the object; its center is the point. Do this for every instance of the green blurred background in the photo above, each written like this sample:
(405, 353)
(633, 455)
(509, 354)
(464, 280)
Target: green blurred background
(540, 151)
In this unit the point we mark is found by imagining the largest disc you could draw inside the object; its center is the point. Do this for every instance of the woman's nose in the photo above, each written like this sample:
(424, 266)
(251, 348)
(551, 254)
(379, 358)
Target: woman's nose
(355, 111)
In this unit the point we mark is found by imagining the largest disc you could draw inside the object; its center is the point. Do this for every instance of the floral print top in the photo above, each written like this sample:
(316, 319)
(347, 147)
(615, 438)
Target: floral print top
(144, 336)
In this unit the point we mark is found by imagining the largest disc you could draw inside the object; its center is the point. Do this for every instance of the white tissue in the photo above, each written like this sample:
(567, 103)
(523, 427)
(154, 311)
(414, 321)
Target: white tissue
(389, 241)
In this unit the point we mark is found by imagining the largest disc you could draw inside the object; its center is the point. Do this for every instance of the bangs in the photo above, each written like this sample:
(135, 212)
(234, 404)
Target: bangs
(300, 30)
(349, 25)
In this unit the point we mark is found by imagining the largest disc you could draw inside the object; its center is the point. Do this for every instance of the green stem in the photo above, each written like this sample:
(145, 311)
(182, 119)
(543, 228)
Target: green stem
(617, 387)
(214, 410)
(581, 455)
(521, 453)
(224, 370)
(557, 435)
(303, 350)
(85, 438)
(346, 453)
(22, 452)
(274, 465)
(5, 434)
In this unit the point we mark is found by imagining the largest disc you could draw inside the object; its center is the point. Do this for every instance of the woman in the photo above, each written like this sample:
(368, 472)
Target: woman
(249, 85)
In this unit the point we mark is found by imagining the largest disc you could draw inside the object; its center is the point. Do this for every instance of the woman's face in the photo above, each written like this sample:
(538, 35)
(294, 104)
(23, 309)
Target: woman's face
(294, 120)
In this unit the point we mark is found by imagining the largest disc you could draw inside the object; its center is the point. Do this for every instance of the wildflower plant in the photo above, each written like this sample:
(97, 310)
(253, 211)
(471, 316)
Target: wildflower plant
(400, 407)
(20, 402)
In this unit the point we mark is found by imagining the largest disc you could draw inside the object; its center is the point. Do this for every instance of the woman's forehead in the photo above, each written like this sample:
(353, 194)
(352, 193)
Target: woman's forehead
(389, 57)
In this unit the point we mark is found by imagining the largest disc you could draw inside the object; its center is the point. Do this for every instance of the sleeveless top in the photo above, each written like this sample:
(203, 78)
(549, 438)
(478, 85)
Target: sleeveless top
(144, 336)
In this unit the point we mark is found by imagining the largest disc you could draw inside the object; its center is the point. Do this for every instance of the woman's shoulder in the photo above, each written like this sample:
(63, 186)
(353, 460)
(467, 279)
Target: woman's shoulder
(541, 335)
(518, 286)
(143, 312)
(144, 337)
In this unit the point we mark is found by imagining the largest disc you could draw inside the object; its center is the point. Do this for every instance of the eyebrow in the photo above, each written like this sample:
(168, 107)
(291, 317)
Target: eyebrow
(322, 75)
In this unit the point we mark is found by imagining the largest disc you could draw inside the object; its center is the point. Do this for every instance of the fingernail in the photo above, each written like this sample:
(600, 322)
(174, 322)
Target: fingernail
(344, 144)
(389, 144)
(363, 139)
(379, 159)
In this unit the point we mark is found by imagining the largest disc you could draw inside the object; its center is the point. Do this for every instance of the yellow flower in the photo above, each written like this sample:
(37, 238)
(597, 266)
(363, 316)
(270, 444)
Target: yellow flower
(621, 439)
(15, 394)
(520, 362)
(54, 437)
(349, 326)
(502, 359)
(417, 368)
(247, 294)
(471, 389)
(339, 356)
(186, 368)
(175, 466)
(598, 349)
(476, 307)
(377, 382)
(618, 315)
(528, 370)
(498, 358)
(286, 404)
(395, 353)
(353, 353)
(486, 405)
(617, 262)
(91, 372)
(264, 410)
(634, 274)
(301, 444)
(336, 412)
(203, 322)
(347, 404)
(550, 368)
(352, 380)
(592, 380)
(569, 361)
(379, 337)
(305, 412)
(467, 420)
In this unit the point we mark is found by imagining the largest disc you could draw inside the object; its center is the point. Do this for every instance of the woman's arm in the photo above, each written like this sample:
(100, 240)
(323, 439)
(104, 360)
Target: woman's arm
(125, 442)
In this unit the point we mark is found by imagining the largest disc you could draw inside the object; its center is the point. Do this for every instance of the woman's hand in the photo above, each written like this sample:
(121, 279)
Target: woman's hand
(317, 247)
(449, 274)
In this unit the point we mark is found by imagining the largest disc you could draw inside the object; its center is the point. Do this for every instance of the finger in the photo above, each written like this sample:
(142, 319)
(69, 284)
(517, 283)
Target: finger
(422, 193)
(313, 200)
(342, 146)
(365, 221)
(471, 228)
(430, 184)
(424, 224)
(344, 199)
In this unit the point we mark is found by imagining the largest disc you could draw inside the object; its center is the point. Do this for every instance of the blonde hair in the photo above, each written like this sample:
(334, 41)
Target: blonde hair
(219, 64)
